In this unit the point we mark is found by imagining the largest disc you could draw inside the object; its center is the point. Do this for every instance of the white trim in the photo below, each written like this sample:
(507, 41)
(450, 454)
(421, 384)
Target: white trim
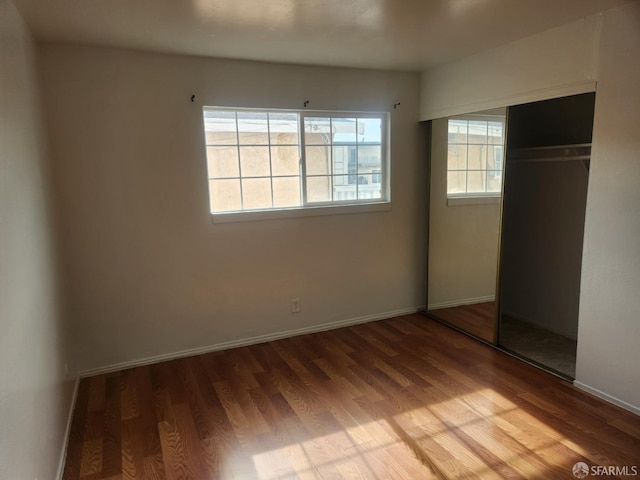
(252, 216)
(67, 432)
(483, 116)
(557, 91)
(461, 302)
(474, 200)
(243, 342)
(607, 397)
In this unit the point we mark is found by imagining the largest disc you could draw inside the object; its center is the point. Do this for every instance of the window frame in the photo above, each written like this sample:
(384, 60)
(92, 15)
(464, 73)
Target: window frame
(307, 208)
(470, 198)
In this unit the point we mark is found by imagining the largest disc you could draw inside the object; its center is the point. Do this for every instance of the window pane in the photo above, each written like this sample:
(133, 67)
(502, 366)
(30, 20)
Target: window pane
(252, 128)
(256, 193)
(477, 157)
(456, 182)
(284, 138)
(345, 130)
(367, 189)
(225, 195)
(254, 161)
(458, 131)
(344, 160)
(457, 157)
(474, 155)
(494, 157)
(317, 131)
(319, 189)
(285, 161)
(496, 133)
(318, 160)
(369, 131)
(221, 138)
(222, 162)
(477, 131)
(220, 127)
(369, 158)
(283, 128)
(344, 188)
(286, 192)
(476, 182)
(494, 181)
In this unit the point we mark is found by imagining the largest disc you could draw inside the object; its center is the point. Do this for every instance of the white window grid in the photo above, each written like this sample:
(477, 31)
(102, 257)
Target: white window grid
(383, 171)
(498, 154)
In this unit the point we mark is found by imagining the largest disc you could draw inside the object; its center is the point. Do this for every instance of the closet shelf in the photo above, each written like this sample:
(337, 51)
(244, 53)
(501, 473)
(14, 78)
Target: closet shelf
(551, 153)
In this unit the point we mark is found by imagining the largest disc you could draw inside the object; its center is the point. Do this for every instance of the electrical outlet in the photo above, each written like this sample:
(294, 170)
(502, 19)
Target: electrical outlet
(295, 305)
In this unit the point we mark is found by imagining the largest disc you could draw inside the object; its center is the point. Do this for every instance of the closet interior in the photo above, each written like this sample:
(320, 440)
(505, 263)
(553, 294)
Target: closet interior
(544, 199)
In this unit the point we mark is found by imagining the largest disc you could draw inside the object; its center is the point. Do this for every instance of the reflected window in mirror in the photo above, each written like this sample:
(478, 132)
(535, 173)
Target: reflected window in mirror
(475, 156)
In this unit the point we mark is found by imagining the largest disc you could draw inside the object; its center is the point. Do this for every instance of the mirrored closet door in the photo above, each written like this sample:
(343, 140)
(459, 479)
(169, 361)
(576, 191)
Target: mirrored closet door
(466, 173)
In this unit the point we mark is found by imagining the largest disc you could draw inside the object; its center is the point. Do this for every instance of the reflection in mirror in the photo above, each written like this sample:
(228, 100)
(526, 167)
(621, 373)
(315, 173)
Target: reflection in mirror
(467, 153)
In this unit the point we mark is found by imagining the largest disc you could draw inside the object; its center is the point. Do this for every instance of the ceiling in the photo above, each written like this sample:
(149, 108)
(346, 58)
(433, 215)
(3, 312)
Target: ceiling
(385, 34)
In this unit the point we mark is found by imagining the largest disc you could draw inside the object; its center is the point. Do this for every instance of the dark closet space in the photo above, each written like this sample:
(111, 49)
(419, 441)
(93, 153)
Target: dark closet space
(545, 191)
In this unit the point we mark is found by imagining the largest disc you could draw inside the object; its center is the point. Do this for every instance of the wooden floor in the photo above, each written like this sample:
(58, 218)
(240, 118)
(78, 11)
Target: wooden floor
(478, 319)
(406, 398)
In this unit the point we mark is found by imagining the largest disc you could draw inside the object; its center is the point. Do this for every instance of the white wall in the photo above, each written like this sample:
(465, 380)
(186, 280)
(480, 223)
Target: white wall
(564, 61)
(542, 243)
(560, 61)
(609, 324)
(35, 396)
(463, 239)
(150, 274)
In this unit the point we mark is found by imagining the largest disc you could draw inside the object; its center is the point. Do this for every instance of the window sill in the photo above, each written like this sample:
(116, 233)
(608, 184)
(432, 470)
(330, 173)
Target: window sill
(482, 200)
(257, 215)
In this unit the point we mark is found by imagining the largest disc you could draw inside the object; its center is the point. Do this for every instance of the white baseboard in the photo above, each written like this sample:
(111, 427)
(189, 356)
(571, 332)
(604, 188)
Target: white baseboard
(607, 397)
(461, 302)
(67, 432)
(247, 341)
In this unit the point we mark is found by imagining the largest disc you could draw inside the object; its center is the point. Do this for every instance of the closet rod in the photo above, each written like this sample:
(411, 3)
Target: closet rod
(552, 153)
(579, 158)
(553, 147)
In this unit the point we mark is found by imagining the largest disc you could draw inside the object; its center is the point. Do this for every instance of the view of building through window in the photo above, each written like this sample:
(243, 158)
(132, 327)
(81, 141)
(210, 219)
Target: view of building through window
(258, 160)
(475, 156)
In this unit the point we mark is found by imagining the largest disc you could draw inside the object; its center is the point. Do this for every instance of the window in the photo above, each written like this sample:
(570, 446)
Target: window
(474, 161)
(262, 160)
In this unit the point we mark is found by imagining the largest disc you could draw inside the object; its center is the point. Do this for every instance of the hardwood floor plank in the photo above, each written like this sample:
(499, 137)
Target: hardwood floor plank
(375, 341)
(97, 394)
(94, 425)
(112, 438)
(145, 400)
(212, 425)
(132, 450)
(493, 461)
(439, 451)
(181, 449)
(153, 468)
(77, 432)
(401, 398)
(292, 354)
(128, 395)
(91, 461)
(477, 319)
